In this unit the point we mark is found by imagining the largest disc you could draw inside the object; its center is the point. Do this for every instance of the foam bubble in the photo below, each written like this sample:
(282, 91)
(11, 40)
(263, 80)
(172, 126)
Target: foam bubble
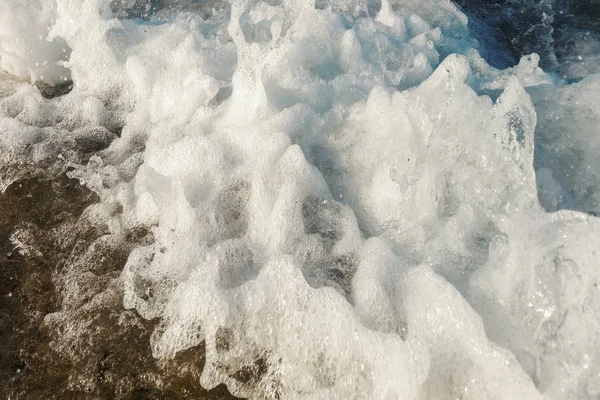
(26, 48)
(342, 196)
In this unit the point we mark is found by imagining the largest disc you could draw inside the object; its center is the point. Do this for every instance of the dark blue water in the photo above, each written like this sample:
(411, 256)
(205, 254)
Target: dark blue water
(565, 33)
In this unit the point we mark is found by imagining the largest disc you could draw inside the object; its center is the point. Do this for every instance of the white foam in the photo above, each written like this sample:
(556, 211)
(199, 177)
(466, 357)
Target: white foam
(334, 204)
(25, 48)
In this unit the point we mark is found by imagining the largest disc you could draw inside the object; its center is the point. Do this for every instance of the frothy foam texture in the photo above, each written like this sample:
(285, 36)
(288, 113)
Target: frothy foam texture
(342, 195)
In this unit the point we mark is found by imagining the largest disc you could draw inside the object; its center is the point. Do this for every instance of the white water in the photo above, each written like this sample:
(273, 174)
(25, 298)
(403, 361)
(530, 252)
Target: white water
(331, 192)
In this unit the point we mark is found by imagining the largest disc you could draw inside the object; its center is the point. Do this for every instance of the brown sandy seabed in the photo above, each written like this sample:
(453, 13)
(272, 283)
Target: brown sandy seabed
(55, 345)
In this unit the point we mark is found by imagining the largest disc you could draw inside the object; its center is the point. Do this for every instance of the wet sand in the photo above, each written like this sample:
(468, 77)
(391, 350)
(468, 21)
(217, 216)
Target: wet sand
(83, 346)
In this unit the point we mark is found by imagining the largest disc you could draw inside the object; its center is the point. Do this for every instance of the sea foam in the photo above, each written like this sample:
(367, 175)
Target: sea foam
(342, 195)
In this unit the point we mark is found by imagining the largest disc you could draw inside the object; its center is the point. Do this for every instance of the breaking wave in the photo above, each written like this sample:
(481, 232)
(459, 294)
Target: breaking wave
(368, 200)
